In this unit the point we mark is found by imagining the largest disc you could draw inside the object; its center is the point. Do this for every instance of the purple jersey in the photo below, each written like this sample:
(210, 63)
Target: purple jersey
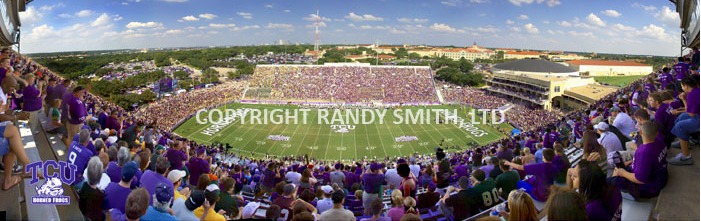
(650, 166)
(664, 119)
(681, 69)
(544, 175)
(78, 156)
(32, 98)
(197, 167)
(75, 110)
(692, 102)
(372, 183)
(149, 180)
(116, 196)
(176, 158)
(665, 79)
(650, 87)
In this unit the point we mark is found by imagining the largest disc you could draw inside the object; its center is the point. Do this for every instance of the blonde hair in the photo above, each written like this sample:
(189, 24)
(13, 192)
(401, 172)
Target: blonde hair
(521, 206)
(397, 197)
(526, 151)
(28, 76)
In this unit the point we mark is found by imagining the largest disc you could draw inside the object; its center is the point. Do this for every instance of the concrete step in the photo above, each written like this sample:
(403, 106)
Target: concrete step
(679, 200)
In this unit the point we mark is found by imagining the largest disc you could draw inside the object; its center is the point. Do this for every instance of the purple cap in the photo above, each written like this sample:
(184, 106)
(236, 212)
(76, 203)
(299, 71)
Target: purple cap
(338, 166)
(401, 161)
(163, 193)
(375, 166)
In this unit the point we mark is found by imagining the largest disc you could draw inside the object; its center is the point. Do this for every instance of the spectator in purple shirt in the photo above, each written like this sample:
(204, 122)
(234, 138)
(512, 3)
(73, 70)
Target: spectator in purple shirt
(603, 201)
(663, 116)
(75, 110)
(665, 78)
(372, 185)
(198, 165)
(79, 155)
(102, 116)
(32, 100)
(48, 99)
(150, 178)
(688, 122)
(543, 176)
(116, 192)
(649, 167)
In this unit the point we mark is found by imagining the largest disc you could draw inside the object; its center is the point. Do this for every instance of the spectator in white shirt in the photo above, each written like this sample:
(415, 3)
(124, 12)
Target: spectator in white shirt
(622, 121)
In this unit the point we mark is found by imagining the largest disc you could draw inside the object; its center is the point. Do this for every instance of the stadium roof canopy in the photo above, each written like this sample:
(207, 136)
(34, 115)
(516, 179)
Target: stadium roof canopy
(534, 65)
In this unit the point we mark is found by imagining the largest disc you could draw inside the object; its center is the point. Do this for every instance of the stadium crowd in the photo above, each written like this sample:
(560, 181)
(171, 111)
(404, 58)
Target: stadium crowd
(347, 83)
(136, 172)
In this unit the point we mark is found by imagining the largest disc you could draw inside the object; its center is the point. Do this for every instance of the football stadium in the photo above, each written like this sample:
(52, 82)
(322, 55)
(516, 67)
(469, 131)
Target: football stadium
(356, 111)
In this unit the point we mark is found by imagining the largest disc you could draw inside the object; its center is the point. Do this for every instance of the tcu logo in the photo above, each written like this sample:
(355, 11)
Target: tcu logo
(342, 128)
(52, 187)
(51, 192)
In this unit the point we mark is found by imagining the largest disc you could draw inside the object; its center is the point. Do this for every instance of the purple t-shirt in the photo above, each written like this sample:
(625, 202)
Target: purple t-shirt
(58, 92)
(116, 196)
(544, 175)
(112, 124)
(268, 178)
(76, 110)
(149, 180)
(664, 119)
(78, 156)
(650, 87)
(461, 170)
(176, 158)
(681, 69)
(114, 172)
(665, 79)
(650, 166)
(373, 182)
(31, 98)
(608, 208)
(578, 129)
(692, 101)
(197, 167)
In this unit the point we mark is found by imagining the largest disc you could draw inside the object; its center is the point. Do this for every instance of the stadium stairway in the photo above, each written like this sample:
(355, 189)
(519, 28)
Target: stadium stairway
(679, 200)
(440, 95)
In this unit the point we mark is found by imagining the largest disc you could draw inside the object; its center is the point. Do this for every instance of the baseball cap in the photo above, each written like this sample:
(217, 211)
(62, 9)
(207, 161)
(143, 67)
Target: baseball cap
(601, 126)
(195, 200)
(160, 147)
(615, 109)
(129, 170)
(212, 188)
(249, 210)
(338, 166)
(175, 175)
(327, 189)
(163, 192)
(289, 189)
(375, 166)
(401, 161)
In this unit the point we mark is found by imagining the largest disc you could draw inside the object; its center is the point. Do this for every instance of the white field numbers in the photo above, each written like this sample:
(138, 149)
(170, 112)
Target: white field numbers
(490, 198)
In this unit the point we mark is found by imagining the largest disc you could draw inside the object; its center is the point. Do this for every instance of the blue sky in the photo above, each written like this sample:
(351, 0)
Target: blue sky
(620, 26)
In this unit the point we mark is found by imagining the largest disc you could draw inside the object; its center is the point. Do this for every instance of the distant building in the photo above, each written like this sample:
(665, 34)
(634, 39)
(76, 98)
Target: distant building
(581, 97)
(538, 82)
(522, 55)
(610, 68)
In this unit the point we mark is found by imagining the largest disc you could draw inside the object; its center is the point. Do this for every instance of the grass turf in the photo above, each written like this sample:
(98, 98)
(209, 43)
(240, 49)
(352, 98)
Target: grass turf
(618, 80)
(318, 140)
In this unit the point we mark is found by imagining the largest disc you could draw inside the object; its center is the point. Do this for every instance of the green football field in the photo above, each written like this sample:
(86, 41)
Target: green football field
(323, 136)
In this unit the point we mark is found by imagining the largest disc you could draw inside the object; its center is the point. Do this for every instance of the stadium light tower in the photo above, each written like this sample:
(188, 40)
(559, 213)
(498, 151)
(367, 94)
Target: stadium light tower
(316, 33)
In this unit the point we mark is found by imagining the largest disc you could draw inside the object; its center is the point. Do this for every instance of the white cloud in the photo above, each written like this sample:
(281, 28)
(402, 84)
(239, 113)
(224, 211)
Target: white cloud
(484, 29)
(268, 6)
(215, 25)
(621, 27)
(581, 34)
(286, 10)
(245, 15)
(564, 23)
(101, 20)
(173, 1)
(245, 28)
(451, 3)
(644, 7)
(523, 17)
(515, 29)
(530, 28)
(30, 16)
(655, 32)
(611, 13)
(669, 17)
(151, 24)
(412, 20)
(47, 8)
(189, 18)
(478, 1)
(65, 15)
(83, 13)
(287, 27)
(321, 25)
(365, 17)
(509, 22)
(314, 17)
(595, 20)
(546, 22)
(377, 27)
(117, 18)
(208, 16)
(440, 27)
(549, 3)
(174, 31)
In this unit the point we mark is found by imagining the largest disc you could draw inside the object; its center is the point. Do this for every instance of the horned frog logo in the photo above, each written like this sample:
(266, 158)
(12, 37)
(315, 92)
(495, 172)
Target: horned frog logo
(52, 187)
(342, 128)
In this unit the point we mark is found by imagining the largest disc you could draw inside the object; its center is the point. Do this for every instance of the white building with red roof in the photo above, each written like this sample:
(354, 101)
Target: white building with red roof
(610, 68)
